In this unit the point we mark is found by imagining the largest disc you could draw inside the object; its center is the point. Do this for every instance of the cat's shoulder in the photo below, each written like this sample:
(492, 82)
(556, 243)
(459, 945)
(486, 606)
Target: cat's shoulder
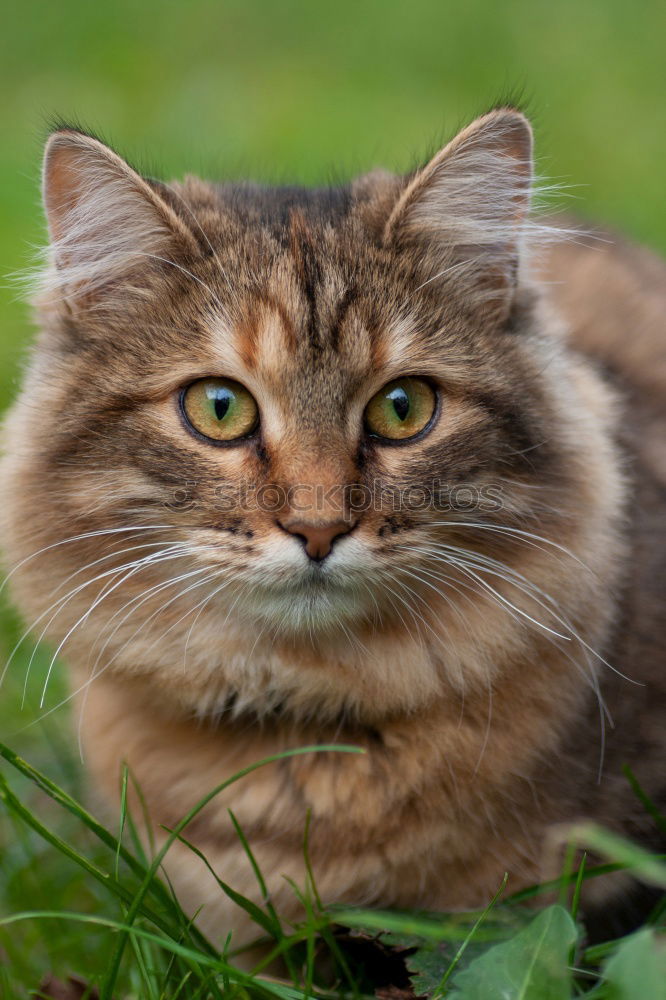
(612, 294)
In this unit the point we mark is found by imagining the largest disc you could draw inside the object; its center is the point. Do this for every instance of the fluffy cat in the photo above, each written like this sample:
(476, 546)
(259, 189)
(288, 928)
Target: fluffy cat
(380, 465)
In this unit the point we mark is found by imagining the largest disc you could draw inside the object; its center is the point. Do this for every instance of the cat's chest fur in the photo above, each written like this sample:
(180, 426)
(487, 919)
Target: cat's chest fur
(426, 815)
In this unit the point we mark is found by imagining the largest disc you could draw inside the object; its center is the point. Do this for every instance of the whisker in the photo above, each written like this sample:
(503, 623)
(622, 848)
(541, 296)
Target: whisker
(184, 270)
(462, 562)
(138, 600)
(111, 555)
(507, 529)
(216, 257)
(532, 591)
(486, 736)
(590, 676)
(151, 560)
(71, 695)
(407, 607)
(78, 538)
(95, 673)
(62, 601)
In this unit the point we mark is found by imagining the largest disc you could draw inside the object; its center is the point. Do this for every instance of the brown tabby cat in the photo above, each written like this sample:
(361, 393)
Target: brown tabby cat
(297, 467)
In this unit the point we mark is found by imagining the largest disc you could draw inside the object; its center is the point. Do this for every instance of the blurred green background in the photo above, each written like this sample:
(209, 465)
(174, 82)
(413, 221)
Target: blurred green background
(317, 91)
(291, 90)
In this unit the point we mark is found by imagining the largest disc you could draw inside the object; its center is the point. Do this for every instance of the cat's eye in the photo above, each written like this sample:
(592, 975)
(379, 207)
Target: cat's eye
(401, 410)
(219, 409)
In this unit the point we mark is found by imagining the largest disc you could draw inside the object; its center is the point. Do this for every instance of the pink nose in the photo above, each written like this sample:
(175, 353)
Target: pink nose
(317, 538)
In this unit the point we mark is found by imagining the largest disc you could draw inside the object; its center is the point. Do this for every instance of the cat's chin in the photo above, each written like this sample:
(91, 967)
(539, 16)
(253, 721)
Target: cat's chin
(306, 604)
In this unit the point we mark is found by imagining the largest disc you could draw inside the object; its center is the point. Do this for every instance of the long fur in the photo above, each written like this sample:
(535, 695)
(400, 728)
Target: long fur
(497, 663)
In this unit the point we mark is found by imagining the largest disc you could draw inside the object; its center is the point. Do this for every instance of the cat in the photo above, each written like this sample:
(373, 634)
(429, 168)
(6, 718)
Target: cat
(378, 465)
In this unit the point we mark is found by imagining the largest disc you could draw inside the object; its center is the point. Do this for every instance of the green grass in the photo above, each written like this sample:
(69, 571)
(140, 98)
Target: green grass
(134, 940)
(278, 90)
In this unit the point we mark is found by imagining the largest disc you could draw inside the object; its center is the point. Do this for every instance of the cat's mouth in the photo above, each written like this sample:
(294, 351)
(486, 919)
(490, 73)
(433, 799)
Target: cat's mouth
(314, 580)
(315, 597)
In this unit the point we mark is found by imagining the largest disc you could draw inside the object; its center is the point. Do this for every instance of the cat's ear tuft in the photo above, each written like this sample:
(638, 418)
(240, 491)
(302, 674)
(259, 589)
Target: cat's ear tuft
(466, 212)
(105, 221)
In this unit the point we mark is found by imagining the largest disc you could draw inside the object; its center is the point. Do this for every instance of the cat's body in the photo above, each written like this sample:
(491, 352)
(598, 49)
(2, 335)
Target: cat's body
(470, 652)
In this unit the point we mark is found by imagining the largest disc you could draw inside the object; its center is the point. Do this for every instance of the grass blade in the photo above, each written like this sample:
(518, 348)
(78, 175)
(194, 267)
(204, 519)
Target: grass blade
(461, 950)
(106, 992)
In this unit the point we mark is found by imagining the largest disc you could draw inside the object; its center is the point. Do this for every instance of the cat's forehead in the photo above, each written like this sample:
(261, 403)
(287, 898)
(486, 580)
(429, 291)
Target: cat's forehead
(311, 351)
(307, 299)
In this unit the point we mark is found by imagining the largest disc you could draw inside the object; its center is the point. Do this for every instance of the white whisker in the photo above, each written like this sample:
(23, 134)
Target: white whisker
(147, 561)
(78, 538)
(508, 530)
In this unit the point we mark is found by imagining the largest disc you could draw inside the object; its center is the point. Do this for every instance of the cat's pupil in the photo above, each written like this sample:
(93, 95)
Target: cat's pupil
(221, 404)
(400, 401)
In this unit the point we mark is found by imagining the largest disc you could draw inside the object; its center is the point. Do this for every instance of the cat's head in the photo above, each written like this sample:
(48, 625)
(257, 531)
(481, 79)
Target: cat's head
(302, 416)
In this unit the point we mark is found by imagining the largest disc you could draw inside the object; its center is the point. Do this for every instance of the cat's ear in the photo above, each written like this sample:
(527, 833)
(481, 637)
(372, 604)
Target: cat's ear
(106, 222)
(465, 213)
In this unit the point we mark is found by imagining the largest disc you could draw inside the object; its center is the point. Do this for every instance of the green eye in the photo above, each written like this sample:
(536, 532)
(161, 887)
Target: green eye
(220, 409)
(401, 409)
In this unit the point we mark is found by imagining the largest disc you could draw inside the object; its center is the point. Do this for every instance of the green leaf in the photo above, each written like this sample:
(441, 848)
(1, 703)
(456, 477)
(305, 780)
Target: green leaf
(637, 970)
(533, 965)
(427, 966)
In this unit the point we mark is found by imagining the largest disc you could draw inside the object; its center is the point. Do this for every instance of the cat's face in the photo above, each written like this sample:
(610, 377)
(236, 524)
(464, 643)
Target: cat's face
(285, 409)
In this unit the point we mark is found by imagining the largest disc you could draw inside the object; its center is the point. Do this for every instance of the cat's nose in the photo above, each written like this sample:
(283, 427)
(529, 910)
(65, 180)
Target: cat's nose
(318, 537)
